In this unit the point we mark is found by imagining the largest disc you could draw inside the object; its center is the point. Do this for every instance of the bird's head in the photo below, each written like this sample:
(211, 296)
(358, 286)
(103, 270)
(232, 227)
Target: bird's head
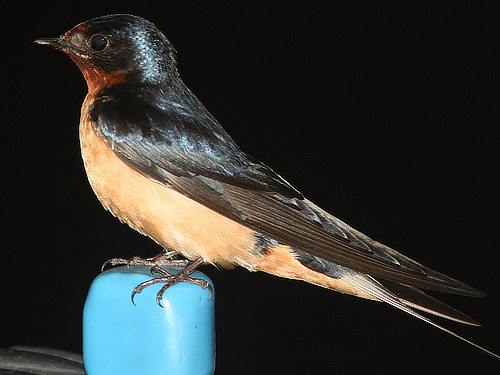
(117, 48)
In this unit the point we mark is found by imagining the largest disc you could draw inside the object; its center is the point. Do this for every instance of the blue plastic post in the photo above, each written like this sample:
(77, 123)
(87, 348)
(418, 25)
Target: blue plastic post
(120, 338)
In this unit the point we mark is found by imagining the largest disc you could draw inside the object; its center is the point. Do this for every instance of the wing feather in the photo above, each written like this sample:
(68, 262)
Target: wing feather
(292, 225)
(173, 139)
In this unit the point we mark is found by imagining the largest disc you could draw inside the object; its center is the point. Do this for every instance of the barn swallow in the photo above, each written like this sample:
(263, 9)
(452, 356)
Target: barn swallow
(159, 161)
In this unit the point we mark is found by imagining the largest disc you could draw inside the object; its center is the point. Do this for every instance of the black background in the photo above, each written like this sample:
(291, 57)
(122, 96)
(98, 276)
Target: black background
(384, 115)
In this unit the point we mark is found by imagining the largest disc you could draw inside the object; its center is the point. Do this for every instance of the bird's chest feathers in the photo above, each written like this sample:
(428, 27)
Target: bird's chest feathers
(155, 210)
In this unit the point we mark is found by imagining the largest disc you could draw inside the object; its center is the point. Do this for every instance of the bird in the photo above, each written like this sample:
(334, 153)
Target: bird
(160, 162)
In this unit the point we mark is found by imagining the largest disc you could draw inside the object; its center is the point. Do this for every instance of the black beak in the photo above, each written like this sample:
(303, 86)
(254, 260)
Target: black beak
(57, 43)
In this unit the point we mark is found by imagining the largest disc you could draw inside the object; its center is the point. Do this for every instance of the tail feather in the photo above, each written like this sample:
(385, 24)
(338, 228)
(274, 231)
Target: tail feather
(374, 288)
(418, 299)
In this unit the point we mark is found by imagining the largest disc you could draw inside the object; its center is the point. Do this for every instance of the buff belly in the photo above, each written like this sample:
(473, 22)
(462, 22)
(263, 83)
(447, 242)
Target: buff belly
(180, 223)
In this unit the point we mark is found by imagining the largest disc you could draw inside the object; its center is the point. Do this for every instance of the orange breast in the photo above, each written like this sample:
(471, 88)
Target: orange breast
(181, 224)
(153, 209)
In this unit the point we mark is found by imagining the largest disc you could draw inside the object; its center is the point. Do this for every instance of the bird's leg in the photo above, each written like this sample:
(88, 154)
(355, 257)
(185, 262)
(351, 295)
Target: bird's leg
(163, 259)
(170, 280)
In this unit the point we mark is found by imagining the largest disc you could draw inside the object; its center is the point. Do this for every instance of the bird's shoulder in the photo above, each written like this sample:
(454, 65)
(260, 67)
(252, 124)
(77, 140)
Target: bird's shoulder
(159, 128)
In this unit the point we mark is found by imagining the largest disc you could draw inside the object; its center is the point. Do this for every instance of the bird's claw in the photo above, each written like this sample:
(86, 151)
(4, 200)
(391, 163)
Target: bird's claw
(171, 279)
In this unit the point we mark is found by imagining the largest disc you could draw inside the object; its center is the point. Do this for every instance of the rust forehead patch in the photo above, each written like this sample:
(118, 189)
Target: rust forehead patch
(76, 36)
(81, 28)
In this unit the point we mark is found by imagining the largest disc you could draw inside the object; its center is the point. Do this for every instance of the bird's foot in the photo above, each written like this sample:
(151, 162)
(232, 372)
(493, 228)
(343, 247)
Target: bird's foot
(163, 259)
(170, 280)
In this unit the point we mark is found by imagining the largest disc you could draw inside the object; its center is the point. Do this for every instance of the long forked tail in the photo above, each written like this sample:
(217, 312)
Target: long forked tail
(372, 287)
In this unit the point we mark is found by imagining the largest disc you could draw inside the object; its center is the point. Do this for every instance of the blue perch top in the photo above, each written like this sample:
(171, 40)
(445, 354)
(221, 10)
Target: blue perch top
(120, 338)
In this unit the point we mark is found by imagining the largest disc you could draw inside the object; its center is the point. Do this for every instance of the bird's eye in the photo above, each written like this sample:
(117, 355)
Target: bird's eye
(98, 42)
